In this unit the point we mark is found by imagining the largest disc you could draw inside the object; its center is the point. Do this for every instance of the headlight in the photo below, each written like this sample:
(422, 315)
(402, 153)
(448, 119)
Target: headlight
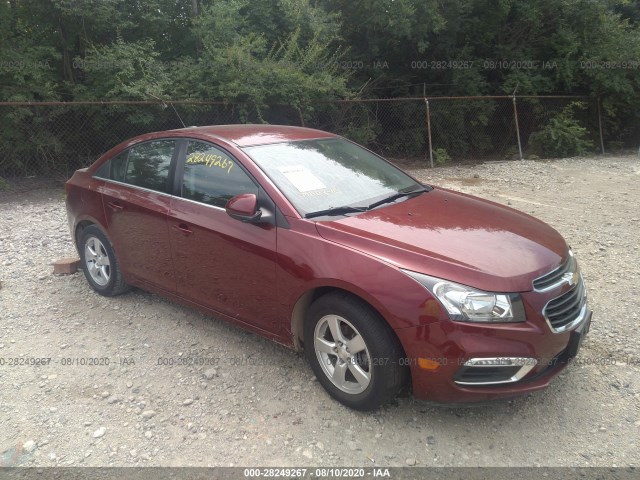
(466, 304)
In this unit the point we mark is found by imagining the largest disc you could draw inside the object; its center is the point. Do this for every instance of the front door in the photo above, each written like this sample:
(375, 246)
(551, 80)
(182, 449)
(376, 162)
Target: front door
(222, 263)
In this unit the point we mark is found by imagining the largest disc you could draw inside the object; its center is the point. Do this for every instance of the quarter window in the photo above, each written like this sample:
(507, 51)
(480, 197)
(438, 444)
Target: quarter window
(119, 166)
(213, 177)
(115, 168)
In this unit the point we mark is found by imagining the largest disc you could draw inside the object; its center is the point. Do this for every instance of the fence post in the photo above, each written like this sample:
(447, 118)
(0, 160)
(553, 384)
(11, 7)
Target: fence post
(426, 101)
(515, 116)
(600, 127)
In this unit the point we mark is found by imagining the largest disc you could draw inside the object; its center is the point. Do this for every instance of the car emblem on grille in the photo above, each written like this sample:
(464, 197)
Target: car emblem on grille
(570, 277)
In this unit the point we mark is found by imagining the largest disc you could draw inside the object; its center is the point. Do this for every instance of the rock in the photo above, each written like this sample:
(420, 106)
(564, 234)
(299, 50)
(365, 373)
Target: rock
(105, 394)
(411, 461)
(307, 453)
(147, 414)
(99, 432)
(210, 373)
(187, 401)
(29, 446)
(148, 435)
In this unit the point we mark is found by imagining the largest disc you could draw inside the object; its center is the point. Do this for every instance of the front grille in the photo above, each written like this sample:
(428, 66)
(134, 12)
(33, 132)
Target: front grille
(555, 277)
(567, 310)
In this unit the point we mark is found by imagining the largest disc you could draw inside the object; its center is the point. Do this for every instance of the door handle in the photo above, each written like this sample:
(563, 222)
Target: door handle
(115, 206)
(183, 228)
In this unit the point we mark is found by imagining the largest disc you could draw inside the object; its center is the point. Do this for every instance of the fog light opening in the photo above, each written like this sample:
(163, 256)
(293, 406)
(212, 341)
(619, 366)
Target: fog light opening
(494, 371)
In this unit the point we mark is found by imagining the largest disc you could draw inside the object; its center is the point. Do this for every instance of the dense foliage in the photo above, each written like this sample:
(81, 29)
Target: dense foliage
(298, 50)
(562, 136)
(257, 53)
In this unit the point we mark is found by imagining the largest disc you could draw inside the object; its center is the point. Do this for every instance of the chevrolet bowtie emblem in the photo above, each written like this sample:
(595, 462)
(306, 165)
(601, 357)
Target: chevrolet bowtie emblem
(570, 277)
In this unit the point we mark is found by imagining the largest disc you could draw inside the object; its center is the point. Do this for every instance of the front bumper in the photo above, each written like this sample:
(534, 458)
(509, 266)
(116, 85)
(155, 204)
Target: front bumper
(452, 345)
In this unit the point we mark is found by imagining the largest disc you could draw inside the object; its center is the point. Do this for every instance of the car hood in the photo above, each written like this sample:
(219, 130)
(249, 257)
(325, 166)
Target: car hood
(457, 237)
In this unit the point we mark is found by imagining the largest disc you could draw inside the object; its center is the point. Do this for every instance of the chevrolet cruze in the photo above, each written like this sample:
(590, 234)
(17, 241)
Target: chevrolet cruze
(388, 285)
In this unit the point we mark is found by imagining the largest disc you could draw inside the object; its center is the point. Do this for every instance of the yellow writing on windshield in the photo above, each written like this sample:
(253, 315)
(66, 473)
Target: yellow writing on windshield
(210, 160)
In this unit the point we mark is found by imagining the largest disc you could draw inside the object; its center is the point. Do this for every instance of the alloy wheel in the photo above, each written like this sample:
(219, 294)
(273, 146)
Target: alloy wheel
(343, 354)
(97, 260)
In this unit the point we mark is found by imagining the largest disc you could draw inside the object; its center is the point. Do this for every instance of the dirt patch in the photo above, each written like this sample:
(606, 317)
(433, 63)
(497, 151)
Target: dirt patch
(470, 181)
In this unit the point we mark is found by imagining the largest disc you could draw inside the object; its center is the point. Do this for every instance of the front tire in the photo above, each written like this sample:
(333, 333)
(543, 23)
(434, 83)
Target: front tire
(353, 352)
(99, 263)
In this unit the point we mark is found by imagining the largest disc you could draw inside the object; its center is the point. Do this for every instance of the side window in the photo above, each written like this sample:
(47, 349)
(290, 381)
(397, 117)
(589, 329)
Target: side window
(213, 177)
(148, 164)
(114, 169)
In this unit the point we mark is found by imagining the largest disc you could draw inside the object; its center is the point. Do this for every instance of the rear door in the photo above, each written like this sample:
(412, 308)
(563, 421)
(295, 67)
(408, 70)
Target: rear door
(136, 202)
(222, 263)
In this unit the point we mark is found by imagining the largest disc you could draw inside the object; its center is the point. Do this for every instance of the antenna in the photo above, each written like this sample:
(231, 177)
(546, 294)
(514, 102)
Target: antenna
(171, 104)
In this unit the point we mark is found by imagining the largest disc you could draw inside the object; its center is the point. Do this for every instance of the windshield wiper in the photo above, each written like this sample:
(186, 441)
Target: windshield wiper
(351, 209)
(396, 196)
(336, 211)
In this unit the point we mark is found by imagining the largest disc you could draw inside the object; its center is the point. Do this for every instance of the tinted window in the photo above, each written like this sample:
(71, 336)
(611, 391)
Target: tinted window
(119, 166)
(115, 168)
(149, 163)
(213, 177)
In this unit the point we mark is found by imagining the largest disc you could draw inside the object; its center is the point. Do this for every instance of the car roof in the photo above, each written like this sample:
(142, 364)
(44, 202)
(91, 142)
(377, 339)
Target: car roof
(253, 134)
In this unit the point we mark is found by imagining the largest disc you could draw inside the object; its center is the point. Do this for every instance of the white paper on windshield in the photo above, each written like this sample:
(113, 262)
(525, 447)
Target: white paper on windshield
(302, 179)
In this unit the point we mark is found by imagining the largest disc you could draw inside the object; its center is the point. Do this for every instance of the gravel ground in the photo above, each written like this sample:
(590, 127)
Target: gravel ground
(257, 403)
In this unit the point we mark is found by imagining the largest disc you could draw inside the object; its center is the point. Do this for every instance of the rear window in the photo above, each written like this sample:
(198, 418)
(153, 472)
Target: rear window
(145, 165)
(148, 164)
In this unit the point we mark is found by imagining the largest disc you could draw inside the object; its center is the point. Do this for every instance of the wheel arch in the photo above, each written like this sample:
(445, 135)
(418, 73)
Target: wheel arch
(301, 307)
(79, 229)
(83, 223)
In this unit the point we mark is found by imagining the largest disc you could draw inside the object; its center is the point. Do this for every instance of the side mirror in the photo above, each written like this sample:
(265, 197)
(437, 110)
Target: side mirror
(244, 208)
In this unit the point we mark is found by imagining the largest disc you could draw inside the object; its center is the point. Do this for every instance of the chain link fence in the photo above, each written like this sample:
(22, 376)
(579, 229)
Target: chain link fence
(54, 139)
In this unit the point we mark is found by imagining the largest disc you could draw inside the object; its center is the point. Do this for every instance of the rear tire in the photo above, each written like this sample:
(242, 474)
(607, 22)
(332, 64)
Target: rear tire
(353, 352)
(99, 263)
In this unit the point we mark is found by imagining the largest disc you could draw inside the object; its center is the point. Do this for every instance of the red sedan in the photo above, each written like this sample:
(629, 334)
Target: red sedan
(319, 244)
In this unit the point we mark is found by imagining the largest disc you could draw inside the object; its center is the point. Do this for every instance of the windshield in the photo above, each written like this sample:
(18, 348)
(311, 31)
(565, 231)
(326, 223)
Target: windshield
(323, 174)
